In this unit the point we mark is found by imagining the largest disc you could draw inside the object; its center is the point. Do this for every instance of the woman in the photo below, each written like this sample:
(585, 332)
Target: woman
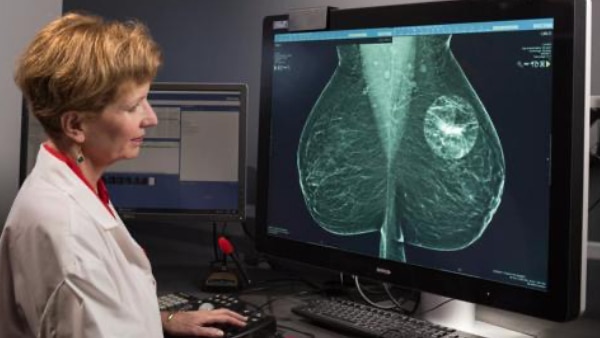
(68, 266)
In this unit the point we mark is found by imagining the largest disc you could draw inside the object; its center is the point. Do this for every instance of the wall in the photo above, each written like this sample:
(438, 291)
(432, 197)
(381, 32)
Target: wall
(19, 20)
(595, 47)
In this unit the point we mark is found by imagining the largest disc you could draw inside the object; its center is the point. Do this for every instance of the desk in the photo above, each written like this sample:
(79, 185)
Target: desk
(281, 297)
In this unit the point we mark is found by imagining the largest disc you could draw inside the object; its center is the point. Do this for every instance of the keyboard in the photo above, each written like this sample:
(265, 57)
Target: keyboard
(368, 321)
(259, 325)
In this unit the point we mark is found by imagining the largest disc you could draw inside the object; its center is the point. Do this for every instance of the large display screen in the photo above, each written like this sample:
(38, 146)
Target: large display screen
(434, 148)
(427, 144)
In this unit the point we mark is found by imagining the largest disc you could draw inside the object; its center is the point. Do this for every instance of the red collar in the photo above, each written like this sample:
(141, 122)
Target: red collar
(102, 191)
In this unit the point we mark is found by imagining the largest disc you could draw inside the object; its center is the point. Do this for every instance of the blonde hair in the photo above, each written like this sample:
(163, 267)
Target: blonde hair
(80, 62)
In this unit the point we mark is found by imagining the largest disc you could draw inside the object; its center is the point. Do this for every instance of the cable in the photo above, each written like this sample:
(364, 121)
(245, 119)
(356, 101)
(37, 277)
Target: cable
(247, 232)
(214, 240)
(341, 276)
(386, 287)
(416, 306)
(594, 205)
(435, 307)
(594, 149)
(223, 228)
(367, 299)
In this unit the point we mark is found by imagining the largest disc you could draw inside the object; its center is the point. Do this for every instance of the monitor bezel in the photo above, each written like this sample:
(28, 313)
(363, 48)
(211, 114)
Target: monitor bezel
(174, 215)
(563, 300)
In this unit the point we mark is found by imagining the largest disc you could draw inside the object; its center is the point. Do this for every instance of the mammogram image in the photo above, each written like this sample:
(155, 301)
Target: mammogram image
(399, 142)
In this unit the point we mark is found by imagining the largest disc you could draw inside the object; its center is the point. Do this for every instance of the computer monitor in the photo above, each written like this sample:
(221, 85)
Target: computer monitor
(192, 165)
(440, 146)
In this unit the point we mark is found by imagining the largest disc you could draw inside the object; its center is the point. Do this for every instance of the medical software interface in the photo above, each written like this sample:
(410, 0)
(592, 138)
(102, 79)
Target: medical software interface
(428, 145)
(189, 162)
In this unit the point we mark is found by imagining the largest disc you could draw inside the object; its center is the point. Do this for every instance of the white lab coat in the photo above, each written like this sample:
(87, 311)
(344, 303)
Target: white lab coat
(68, 268)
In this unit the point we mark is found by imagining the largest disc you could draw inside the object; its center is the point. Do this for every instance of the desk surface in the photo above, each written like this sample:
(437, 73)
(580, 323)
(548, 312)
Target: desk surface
(280, 297)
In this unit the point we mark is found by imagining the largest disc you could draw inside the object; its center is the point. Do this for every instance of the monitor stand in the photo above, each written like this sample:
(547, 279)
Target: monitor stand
(461, 315)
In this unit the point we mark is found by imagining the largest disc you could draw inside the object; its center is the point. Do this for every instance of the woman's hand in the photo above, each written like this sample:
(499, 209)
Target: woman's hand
(199, 323)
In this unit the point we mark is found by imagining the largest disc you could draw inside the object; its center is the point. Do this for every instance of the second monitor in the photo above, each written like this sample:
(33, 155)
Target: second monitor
(193, 162)
(192, 165)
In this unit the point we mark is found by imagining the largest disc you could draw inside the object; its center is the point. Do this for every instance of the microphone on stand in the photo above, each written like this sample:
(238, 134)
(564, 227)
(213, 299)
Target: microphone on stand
(228, 250)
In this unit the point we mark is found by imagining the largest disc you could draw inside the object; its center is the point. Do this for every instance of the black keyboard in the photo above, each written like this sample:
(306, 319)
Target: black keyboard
(259, 325)
(368, 321)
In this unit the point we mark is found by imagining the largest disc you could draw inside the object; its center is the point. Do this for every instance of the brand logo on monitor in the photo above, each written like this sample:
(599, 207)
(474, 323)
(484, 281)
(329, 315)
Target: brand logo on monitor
(383, 271)
(283, 24)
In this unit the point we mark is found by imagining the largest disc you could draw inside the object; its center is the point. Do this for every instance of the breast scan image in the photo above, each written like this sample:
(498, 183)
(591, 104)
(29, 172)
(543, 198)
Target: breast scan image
(399, 143)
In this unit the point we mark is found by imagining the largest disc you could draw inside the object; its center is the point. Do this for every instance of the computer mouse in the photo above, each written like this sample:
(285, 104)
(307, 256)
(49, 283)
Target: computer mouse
(206, 306)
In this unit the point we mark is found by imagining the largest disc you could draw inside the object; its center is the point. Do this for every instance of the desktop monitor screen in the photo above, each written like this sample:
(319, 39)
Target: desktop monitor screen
(439, 146)
(192, 164)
